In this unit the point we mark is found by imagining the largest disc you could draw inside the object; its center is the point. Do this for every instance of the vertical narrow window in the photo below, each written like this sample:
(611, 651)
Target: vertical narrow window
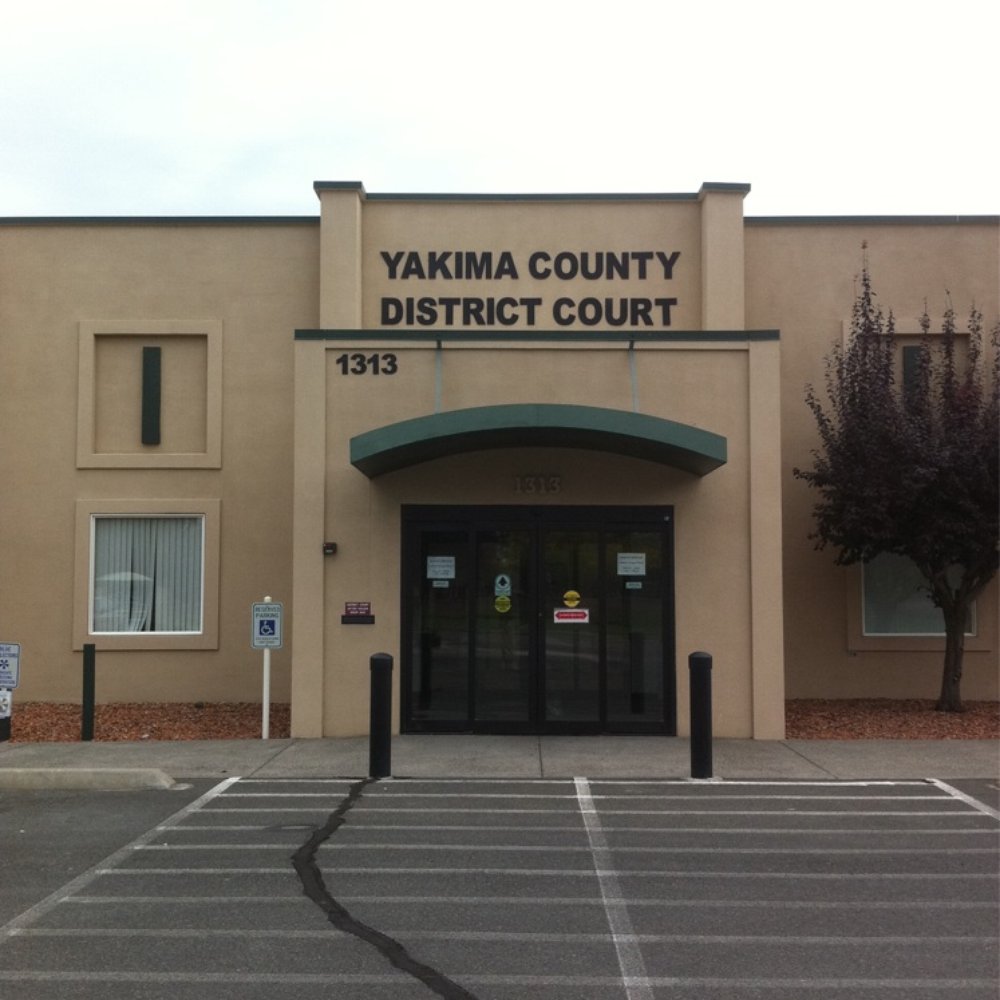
(147, 574)
(911, 370)
(151, 374)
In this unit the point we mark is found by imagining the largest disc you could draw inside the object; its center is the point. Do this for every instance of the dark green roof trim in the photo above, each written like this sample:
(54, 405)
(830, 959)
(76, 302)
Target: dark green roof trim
(338, 186)
(160, 220)
(528, 336)
(706, 188)
(724, 187)
(534, 425)
(447, 197)
(872, 220)
(648, 196)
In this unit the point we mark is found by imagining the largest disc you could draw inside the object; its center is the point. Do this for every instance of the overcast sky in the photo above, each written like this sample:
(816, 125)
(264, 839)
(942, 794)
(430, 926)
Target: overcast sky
(235, 107)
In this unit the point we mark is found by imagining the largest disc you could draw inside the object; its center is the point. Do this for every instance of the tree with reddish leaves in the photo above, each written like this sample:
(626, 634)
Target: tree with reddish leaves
(910, 466)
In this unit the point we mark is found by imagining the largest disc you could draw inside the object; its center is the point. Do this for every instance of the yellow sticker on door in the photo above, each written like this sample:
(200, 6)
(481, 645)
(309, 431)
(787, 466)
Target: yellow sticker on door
(571, 598)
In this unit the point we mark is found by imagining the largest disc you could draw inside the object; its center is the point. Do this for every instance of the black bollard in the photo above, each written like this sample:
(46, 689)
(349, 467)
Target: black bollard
(89, 686)
(380, 725)
(700, 666)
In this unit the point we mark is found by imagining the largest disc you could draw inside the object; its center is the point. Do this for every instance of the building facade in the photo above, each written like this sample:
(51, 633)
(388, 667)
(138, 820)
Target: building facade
(537, 448)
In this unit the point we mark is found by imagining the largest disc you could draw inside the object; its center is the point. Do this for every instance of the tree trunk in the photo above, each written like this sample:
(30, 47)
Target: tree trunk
(955, 620)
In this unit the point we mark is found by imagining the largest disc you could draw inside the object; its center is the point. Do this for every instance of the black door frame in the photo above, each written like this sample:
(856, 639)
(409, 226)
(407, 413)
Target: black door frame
(473, 517)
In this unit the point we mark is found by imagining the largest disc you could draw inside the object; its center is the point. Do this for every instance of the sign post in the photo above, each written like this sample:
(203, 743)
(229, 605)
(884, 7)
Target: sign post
(10, 675)
(266, 635)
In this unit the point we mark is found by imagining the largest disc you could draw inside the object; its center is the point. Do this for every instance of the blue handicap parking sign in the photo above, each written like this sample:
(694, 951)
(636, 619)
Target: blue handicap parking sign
(267, 626)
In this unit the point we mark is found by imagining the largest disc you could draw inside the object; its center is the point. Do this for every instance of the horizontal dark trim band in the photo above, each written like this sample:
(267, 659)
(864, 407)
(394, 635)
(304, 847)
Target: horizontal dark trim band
(706, 188)
(159, 220)
(724, 187)
(338, 186)
(872, 220)
(583, 336)
(561, 197)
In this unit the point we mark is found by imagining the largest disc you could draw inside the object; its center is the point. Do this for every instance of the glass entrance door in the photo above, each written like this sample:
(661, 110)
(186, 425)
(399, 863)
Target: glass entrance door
(551, 619)
(502, 654)
(571, 622)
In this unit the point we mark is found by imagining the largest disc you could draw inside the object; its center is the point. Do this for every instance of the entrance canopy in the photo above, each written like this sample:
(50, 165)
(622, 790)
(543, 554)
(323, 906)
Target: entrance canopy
(548, 425)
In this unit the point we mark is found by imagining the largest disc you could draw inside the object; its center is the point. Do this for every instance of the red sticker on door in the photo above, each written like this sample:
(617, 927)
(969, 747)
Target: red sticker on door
(575, 616)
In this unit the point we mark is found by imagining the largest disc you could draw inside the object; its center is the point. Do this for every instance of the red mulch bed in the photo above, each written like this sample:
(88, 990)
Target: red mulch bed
(887, 719)
(35, 722)
(848, 719)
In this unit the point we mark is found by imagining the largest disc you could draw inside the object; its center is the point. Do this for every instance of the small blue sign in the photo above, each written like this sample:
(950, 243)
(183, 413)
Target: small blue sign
(266, 632)
(10, 664)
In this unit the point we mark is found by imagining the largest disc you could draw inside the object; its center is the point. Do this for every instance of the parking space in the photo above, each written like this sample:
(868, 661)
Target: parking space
(50, 835)
(555, 889)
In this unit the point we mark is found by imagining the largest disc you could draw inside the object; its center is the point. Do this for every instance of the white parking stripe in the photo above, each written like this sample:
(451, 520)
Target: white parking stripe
(655, 916)
(967, 799)
(735, 831)
(478, 900)
(630, 959)
(552, 872)
(604, 982)
(617, 798)
(548, 937)
(571, 849)
(664, 812)
(50, 902)
(276, 795)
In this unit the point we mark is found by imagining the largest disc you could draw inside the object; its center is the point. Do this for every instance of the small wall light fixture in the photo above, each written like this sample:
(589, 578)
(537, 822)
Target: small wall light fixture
(329, 548)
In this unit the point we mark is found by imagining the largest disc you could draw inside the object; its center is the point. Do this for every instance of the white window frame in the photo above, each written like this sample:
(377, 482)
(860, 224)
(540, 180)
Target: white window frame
(871, 633)
(87, 513)
(94, 518)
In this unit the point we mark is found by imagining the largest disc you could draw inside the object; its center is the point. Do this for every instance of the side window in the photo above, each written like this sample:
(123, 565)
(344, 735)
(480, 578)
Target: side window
(895, 600)
(148, 574)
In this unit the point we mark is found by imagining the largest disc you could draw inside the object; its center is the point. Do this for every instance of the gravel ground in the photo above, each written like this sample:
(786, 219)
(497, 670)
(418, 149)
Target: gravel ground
(854, 719)
(885, 719)
(35, 722)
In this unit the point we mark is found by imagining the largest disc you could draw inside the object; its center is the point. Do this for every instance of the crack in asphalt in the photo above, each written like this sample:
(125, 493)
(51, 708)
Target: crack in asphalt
(314, 887)
(798, 753)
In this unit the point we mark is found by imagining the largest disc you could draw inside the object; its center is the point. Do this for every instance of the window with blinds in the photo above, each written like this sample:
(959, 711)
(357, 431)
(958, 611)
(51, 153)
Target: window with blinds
(148, 574)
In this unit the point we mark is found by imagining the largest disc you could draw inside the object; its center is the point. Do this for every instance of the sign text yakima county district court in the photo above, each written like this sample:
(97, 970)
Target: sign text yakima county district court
(539, 265)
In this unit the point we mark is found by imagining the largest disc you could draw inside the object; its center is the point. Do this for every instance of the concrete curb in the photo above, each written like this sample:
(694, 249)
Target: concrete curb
(483, 756)
(94, 778)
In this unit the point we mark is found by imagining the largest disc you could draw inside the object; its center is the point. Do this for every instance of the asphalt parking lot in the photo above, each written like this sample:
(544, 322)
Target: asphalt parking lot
(501, 888)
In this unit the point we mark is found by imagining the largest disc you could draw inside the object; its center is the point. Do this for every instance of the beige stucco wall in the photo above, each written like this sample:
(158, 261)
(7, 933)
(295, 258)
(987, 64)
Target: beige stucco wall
(250, 283)
(801, 277)
(711, 513)
(727, 547)
(257, 425)
(524, 228)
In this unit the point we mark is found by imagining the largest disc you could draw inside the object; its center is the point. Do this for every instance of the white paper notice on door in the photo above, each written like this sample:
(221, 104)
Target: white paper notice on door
(631, 563)
(440, 567)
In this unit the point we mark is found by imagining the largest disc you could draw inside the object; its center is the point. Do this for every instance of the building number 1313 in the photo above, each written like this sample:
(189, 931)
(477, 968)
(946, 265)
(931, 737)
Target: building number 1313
(367, 364)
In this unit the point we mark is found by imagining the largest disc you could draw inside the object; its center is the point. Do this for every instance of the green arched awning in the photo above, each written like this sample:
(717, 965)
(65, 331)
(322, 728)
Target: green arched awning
(551, 425)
